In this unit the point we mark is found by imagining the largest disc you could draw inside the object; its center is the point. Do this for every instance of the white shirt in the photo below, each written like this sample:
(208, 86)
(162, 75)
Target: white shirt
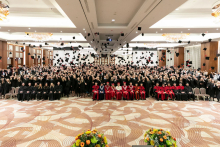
(118, 88)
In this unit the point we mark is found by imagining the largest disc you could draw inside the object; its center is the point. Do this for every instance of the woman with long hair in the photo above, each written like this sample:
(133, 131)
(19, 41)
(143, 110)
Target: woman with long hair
(82, 86)
(45, 92)
(39, 91)
(34, 91)
(51, 92)
(7, 86)
(67, 87)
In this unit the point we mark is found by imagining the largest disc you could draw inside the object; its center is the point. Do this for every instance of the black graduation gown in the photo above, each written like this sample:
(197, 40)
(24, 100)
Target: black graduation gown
(51, 93)
(82, 87)
(39, 93)
(33, 92)
(20, 94)
(218, 92)
(77, 87)
(58, 89)
(147, 87)
(189, 92)
(67, 88)
(45, 92)
(27, 93)
(7, 87)
(18, 84)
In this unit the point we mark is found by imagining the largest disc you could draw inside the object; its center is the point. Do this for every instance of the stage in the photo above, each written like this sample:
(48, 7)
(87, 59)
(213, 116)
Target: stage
(56, 123)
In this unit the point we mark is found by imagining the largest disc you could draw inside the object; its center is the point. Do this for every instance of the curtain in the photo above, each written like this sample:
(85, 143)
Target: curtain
(170, 55)
(193, 55)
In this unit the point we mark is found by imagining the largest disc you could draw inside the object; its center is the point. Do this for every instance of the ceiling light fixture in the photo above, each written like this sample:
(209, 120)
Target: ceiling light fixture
(29, 28)
(39, 36)
(188, 29)
(177, 9)
(61, 31)
(4, 10)
(83, 29)
(113, 19)
(161, 29)
(172, 37)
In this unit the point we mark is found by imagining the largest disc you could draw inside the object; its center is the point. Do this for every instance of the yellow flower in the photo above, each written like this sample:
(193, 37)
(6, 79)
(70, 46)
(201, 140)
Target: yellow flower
(79, 135)
(152, 142)
(97, 145)
(88, 132)
(78, 142)
(105, 140)
(168, 132)
(145, 135)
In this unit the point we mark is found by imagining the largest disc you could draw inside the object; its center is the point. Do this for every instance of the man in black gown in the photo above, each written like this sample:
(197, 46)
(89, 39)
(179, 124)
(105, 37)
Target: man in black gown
(21, 91)
(189, 92)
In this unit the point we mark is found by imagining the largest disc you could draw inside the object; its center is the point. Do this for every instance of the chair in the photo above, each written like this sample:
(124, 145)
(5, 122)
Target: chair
(10, 93)
(16, 91)
(197, 93)
(203, 93)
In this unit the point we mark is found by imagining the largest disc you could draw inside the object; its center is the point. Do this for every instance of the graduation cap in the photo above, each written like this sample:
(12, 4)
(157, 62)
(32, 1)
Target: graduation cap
(178, 66)
(22, 48)
(203, 64)
(57, 54)
(179, 41)
(177, 54)
(205, 49)
(190, 62)
(122, 34)
(210, 40)
(29, 45)
(171, 59)
(10, 52)
(215, 58)
(88, 34)
(32, 57)
(43, 58)
(187, 51)
(43, 62)
(203, 34)
(163, 53)
(38, 56)
(168, 51)
(182, 64)
(23, 43)
(188, 42)
(73, 37)
(29, 53)
(156, 61)
(207, 58)
(40, 45)
(77, 59)
(135, 52)
(212, 68)
(152, 62)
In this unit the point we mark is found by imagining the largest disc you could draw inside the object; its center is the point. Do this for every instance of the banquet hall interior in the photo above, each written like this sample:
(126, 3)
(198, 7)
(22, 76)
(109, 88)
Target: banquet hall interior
(89, 45)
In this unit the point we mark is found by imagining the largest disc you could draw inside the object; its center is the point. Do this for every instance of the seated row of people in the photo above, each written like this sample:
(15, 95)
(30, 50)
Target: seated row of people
(111, 92)
(40, 92)
(180, 92)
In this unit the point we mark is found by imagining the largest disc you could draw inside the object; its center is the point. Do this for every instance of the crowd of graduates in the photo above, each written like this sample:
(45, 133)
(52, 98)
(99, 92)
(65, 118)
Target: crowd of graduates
(127, 82)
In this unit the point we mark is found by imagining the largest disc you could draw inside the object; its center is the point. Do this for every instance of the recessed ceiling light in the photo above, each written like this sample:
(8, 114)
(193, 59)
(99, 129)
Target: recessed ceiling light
(83, 29)
(113, 19)
(156, 32)
(29, 28)
(35, 31)
(61, 31)
(161, 29)
(8, 30)
(188, 29)
(177, 9)
(216, 29)
(136, 32)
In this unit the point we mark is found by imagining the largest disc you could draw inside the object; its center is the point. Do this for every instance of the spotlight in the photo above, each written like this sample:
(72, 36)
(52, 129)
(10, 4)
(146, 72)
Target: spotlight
(203, 34)
(210, 40)
(188, 42)
(142, 34)
(73, 37)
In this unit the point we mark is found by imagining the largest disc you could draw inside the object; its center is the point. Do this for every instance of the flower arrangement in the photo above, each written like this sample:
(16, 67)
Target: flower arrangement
(90, 139)
(159, 138)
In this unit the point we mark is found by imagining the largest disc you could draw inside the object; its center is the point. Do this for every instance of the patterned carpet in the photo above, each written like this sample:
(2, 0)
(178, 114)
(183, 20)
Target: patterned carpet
(56, 123)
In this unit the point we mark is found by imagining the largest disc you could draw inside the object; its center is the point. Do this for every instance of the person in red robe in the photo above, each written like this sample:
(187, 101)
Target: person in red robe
(163, 92)
(137, 91)
(170, 91)
(95, 90)
(157, 91)
(131, 91)
(118, 91)
(142, 91)
(125, 91)
(107, 91)
(112, 91)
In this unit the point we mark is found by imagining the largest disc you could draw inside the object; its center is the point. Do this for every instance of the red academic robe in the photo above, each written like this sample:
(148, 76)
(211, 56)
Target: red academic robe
(142, 92)
(131, 91)
(157, 91)
(125, 92)
(137, 92)
(112, 92)
(107, 92)
(169, 90)
(163, 92)
(95, 90)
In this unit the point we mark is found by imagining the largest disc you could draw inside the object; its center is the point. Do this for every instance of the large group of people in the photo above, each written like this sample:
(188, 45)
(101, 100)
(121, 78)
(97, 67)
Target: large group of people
(107, 82)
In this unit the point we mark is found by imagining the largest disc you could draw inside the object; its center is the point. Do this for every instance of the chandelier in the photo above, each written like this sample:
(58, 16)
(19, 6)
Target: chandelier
(4, 10)
(175, 37)
(39, 36)
(216, 11)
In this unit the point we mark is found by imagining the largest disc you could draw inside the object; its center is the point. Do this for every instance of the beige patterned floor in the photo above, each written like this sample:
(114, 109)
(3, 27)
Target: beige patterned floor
(55, 124)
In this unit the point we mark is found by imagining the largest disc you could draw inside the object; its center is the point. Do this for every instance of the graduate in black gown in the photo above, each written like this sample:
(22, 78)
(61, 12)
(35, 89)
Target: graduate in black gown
(27, 92)
(39, 92)
(34, 91)
(58, 91)
(78, 87)
(82, 87)
(21, 91)
(212, 88)
(218, 92)
(189, 92)
(7, 87)
(45, 92)
(101, 92)
(67, 87)
(51, 92)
